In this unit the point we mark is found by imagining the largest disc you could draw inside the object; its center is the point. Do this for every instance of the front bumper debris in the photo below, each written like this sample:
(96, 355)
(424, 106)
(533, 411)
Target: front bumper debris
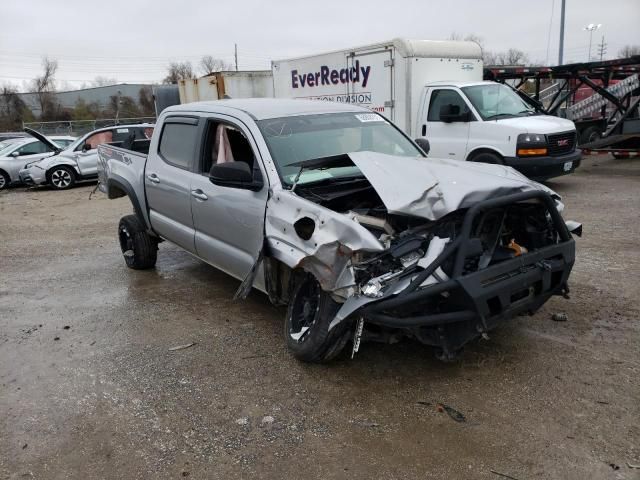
(470, 304)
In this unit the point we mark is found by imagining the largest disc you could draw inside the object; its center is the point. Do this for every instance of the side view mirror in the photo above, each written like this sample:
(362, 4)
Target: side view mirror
(15, 154)
(423, 143)
(451, 113)
(86, 147)
(234, 175)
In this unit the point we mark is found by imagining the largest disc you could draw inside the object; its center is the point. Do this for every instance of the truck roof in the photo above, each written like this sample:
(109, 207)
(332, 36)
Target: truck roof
(459, 84)
(414, 48)
(264, 108)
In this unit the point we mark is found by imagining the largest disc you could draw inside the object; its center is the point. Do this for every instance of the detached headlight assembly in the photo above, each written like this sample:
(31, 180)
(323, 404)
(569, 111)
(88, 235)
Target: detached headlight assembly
(531, 145)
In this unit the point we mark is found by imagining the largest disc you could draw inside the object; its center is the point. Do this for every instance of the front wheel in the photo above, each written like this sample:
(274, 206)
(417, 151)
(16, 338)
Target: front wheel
(486, 157)
(4, 180)
(62, 178)
(309, 314)
(140, 250)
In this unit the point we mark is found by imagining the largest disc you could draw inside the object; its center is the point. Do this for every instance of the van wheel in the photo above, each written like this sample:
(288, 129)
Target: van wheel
(309, 314)
(4, 180)
(486, 157)
(62, 178)
(140, 250)
(589, 135)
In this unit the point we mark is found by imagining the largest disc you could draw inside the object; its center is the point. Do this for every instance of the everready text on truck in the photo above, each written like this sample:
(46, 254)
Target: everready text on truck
(434, 90)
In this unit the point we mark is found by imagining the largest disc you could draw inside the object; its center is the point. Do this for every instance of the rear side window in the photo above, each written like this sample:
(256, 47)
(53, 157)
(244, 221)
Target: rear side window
(440, 98)
(178, 144)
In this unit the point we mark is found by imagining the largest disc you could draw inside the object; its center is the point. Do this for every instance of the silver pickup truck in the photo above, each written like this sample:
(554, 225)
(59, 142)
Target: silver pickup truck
(330, 209)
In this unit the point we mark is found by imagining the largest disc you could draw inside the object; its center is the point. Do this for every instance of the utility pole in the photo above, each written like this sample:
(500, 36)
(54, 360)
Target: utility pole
(236, 55)
(602, 48)
(561, 50)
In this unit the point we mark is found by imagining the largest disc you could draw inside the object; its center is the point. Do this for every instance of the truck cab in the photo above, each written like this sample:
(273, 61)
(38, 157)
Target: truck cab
(489, 122)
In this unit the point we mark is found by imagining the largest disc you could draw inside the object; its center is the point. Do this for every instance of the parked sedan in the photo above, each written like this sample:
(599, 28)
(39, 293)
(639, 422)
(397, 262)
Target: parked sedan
(78, 161)
(17, 152)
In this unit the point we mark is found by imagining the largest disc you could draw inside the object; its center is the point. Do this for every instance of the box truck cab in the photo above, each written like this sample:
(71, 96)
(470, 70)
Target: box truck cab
(420, 85)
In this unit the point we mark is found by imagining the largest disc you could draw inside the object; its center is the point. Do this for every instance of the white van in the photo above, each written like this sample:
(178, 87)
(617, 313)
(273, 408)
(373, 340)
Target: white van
(434, 90)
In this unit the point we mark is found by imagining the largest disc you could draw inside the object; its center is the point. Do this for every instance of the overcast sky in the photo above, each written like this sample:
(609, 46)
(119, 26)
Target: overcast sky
(133, 41)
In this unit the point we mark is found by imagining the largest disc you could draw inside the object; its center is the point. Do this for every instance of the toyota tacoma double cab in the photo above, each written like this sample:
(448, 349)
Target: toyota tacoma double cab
(332, 210)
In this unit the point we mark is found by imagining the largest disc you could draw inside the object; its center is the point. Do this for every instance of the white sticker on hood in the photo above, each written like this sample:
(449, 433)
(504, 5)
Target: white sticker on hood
(369, 117)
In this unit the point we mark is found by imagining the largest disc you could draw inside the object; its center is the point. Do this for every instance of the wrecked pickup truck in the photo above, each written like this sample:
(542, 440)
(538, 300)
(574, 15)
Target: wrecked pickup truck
(330, 209)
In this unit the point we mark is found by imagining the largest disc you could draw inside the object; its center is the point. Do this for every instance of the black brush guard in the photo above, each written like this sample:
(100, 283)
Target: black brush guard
(473, 303)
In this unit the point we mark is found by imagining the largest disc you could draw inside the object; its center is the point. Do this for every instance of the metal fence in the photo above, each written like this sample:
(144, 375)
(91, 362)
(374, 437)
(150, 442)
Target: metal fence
(80, 127)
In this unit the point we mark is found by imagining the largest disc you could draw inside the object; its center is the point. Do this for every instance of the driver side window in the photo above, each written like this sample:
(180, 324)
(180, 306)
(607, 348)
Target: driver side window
(97, 139)
(440, 98)
(226, 143)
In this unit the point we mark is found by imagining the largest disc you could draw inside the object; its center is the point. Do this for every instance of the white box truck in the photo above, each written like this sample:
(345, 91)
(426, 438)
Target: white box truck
(434, 90)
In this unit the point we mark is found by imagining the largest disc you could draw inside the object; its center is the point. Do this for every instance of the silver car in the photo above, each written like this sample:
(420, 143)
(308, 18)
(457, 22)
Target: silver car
(17, 152)
(78, 161)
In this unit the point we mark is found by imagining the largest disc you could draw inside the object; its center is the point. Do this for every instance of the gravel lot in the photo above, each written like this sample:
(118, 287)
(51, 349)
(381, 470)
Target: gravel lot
(90, 389)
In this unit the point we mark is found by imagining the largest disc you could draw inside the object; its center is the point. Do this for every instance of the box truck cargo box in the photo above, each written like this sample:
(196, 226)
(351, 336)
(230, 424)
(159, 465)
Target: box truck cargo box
(387, 77)
(219, 85)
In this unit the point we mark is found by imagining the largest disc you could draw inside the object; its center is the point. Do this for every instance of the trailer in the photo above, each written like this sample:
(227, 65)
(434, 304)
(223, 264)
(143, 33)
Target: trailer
(607, 119)
(232, 84)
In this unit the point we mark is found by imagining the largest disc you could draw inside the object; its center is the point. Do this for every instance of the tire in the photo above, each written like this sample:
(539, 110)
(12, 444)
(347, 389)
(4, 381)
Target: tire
(309, 314)
(140, 250)
(486, 157)
(4, 180)
(62, 177)
(590, 134)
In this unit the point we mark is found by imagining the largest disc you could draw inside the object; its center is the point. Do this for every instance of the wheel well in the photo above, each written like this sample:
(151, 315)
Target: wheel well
(2, 171)
(477, 152)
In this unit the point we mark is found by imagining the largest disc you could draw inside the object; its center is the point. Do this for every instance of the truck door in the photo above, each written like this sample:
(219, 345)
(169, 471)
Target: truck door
(448, 139)
(167, 180)
(229, 221)
(371, 81)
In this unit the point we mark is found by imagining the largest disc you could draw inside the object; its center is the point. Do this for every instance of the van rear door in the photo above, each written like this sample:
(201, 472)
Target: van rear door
(372, 83)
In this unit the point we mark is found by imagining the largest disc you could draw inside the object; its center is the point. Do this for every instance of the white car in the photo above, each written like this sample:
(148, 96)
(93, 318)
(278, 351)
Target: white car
(17, 152)
(78, 161)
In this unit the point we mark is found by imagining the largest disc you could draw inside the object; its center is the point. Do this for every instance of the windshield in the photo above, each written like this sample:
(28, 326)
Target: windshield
(306, 137)
(496, 100)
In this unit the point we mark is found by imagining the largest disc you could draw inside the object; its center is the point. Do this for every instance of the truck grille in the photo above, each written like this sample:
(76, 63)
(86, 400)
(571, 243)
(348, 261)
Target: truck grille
(561, 143)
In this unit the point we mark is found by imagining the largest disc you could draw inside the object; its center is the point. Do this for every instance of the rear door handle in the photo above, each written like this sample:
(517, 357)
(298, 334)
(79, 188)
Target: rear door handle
(199, 194)
(153, 178)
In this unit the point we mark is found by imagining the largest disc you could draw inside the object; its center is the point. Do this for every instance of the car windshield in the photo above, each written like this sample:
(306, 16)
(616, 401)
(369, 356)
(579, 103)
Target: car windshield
(493, 101)
(305, 137)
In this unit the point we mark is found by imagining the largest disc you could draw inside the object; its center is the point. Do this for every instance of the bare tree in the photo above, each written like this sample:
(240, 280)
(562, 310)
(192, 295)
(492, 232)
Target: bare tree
(629, 51)
(209, 65)
(145, 99)
(44, 86)
(13, 110)
(101, 81)
(179, 71)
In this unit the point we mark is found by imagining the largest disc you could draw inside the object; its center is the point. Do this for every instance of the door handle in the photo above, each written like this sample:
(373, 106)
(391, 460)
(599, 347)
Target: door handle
(199, 194)
(153, 178)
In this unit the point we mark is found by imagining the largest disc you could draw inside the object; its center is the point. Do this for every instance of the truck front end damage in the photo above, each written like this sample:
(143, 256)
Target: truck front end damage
(436, 258)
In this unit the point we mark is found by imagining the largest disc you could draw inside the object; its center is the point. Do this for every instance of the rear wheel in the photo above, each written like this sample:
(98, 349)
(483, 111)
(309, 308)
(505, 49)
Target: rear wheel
(589, 135)
(486, 157)
(62, 177)
(4, 180)
(140, 250)
(309, 314)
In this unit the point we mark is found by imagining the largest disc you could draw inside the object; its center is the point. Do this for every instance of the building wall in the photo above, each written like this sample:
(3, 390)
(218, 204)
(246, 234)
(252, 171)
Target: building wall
(100, 95)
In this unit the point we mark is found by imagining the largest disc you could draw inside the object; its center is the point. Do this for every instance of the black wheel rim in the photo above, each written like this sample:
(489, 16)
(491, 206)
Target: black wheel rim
(126, 242)
(304, 310)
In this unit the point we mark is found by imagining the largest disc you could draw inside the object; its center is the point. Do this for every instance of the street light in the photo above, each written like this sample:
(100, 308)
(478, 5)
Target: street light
(592, 27)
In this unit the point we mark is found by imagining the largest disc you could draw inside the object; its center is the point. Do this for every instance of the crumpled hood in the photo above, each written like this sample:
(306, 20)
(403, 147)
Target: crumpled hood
(433, 187)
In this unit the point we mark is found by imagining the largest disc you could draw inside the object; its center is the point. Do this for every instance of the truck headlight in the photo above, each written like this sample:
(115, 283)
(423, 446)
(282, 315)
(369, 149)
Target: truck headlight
(531, 145)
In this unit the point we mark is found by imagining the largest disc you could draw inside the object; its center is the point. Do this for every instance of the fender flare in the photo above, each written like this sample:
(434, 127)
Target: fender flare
(484, 148)
(125, 189)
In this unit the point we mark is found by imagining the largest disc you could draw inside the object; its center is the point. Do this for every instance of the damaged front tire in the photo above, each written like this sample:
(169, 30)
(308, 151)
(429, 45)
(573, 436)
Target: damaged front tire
(309, 314)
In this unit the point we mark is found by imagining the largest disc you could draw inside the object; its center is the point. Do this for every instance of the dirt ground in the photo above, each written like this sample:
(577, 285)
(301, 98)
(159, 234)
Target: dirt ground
(90, 389)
